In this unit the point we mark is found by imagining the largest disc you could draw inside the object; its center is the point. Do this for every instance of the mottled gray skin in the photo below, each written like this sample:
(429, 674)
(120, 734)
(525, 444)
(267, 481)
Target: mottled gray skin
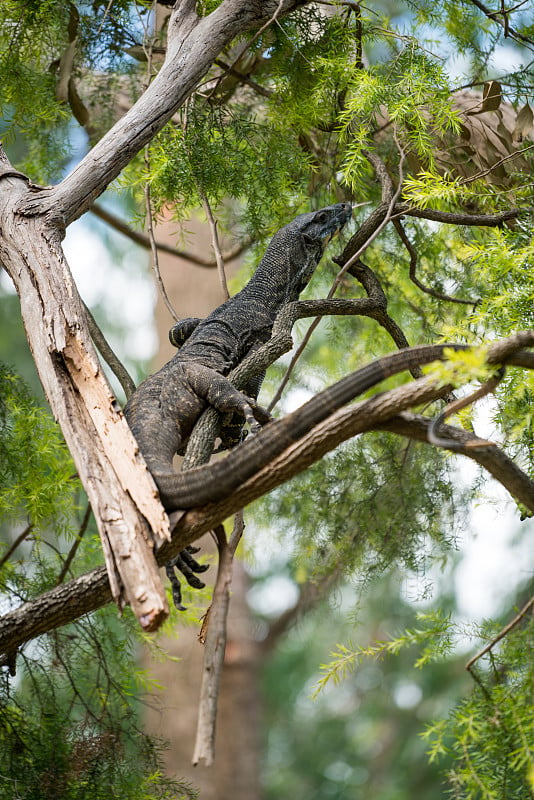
(164, 409)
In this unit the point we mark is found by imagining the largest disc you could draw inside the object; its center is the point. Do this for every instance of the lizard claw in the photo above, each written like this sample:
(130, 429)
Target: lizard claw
(188, 566)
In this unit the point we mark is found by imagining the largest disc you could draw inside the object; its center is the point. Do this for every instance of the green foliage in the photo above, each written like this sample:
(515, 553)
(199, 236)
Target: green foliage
(370, 504)
(359, 737)
(434, 634)
(487, 738)
(411, 92)
(220, 156)
(490, 734)
(69, 731)
(34, 39)
(36, 471)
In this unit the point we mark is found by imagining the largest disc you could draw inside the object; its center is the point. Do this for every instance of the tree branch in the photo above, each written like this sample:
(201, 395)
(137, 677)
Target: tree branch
(504, 632)
(89, 592)
(193, 44)
(105, 350)
(214, 632)
(413, 268)
(492, 458)
(120, 489)
(143, 240)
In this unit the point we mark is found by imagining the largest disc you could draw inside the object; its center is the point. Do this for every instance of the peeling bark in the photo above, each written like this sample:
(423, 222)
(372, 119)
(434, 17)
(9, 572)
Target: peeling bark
(120, 489)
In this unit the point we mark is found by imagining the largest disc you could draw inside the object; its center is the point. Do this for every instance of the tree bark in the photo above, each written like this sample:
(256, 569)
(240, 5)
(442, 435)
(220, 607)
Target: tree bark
(120, 489)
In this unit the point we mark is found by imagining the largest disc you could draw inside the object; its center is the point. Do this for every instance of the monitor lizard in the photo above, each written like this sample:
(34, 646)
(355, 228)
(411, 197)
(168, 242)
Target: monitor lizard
(165, 407)
(163, 410)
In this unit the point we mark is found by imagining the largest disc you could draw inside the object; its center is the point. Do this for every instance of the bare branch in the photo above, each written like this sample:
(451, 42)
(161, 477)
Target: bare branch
(153, 247)
(215, 633)
(143, 240)
(113, 362)
(72, 552)
(456, 406)
(413, 267)
(20, 538)
(506, 630)
(501, 18)
(216, 245)
(492, 458)
(457, 218)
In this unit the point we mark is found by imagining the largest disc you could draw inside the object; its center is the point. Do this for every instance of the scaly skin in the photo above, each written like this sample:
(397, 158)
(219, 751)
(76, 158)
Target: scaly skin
(164, 409)
(214, 481)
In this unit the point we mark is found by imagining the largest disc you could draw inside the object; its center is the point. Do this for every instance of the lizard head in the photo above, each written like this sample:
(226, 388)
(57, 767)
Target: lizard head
(314, 230)
(319, 227)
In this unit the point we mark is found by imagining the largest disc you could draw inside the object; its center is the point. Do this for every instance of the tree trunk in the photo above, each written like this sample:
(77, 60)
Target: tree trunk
(122, 496)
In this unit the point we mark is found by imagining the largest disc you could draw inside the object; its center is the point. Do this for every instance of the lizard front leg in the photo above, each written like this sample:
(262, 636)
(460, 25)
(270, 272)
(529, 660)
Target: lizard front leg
(217, 390)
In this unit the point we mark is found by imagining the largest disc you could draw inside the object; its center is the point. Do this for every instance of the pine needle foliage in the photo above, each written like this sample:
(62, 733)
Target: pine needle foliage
(37, 475)
(227, 156)
(69, 727)
(490, 734)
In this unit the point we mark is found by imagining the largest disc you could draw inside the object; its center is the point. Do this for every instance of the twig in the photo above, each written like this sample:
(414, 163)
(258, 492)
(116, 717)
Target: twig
(498, 163)
(216, 245)
(458, 405)
(113, 362)
(214, 634)
(495, 16)
(149, 218)
(20, 538)
(154, 249)
(507, 628)
(492, 458)
(74, 548)
(143, 240)
(413, 267)
(243, 78)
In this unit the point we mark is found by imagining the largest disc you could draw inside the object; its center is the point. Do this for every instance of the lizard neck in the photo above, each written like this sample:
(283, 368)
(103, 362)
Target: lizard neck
(283, 273)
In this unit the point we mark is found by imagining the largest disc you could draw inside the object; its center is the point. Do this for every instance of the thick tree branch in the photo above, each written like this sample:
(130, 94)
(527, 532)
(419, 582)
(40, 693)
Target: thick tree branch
(121, 492)
(32, 220)
(492, 458)
(458, 218)
(84, 594)
(193, 44)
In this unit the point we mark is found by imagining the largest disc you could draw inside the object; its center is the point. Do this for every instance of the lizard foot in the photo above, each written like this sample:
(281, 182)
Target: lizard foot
(188, 566)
